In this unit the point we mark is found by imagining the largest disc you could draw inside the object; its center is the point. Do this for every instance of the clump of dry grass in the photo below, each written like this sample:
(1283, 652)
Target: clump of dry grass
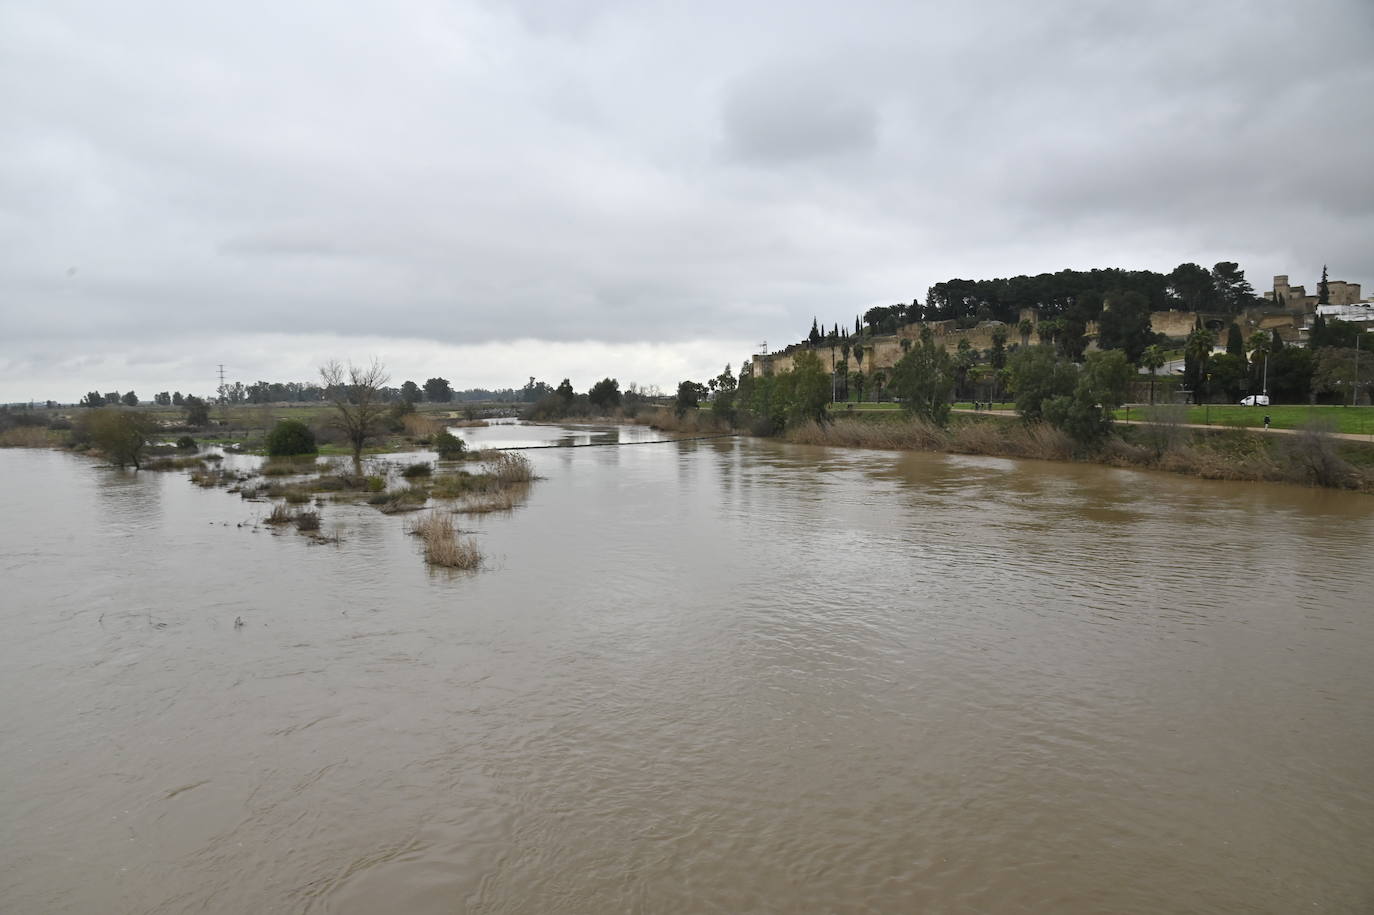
(213, 476)
(420, 426)
(443, 546)
(173, 463)
(667, 420)
(508, 469)
(280, 515)
(307, 521)
(978, 438)
(1039, 440)
(914, 434)
(500, 500)
(25, 437)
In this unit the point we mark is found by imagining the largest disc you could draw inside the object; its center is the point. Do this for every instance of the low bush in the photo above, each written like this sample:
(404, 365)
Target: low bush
(186, 443)
(291, 437)
(308, 521)
(449, 446)
(422, 469)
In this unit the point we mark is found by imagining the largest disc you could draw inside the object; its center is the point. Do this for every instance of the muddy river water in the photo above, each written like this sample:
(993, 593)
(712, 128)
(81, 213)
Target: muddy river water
(713, 676)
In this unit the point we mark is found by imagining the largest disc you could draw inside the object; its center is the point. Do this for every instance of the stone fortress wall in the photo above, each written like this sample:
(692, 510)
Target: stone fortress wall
(1290, 320)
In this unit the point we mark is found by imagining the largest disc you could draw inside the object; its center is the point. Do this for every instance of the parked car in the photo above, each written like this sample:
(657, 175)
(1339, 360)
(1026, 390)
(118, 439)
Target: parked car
(1255, 400)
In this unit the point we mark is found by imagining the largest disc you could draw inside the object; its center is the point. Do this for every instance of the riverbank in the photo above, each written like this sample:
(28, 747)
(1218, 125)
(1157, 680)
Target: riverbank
(1310, 456)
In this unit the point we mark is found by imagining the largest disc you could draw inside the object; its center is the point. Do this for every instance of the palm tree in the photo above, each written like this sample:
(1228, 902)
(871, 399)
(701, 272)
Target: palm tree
(1152, 359)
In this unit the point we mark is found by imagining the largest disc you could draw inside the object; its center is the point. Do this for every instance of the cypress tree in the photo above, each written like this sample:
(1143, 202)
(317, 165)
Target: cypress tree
(1235, 343)
(1323, 289)
(1275, 341)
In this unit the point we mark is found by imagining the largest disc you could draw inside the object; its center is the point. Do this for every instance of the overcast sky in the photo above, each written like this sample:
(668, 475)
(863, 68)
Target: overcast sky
(490, 190)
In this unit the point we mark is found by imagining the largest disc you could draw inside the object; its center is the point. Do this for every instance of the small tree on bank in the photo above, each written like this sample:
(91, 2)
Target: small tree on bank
(922, 380)
(359, 406)
(121, 435)
(291, 437)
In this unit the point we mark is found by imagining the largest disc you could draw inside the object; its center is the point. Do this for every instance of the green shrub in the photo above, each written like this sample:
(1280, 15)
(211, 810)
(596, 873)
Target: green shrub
(290, 436)
(449, 446)
(186, 443)
(422, 469)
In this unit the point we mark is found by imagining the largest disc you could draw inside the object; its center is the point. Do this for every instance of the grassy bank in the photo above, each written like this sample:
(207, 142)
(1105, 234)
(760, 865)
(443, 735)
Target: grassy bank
(1310, 457)
(1352, 420)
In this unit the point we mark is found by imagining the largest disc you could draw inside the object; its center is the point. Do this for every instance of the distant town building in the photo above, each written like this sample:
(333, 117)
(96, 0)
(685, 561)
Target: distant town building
(1295, 298)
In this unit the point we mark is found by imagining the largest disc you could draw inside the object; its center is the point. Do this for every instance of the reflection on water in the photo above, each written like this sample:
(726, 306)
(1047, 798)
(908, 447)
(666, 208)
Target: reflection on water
(714, 675)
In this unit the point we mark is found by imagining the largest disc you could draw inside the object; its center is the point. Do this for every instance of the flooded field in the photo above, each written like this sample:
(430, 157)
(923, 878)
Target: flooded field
(712, 676)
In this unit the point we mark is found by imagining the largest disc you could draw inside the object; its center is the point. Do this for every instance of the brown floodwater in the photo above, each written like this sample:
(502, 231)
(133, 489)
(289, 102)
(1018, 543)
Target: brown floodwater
(714, 676)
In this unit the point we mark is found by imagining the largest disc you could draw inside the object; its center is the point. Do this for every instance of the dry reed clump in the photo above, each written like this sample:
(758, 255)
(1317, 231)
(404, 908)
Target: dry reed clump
(507, 468)
(979, 438)
(307, 521)
(912, 433)
(501, 500)
(25, 437)
(419, 426)
(1039, 440)
(280, 515)
(1313, 458)
(443, 546)
(213, 476)
(667, 420)
(174, 463)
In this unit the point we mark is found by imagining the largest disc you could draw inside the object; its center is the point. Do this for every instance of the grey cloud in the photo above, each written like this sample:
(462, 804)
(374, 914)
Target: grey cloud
(467, 172)
(790, 114)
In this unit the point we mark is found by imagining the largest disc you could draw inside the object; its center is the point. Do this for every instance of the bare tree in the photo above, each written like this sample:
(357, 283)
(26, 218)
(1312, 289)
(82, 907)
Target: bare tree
(356, 393)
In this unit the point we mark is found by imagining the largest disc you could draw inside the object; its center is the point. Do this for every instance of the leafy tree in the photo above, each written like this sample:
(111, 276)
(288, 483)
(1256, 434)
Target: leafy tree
(1275, 341)
(724, 405)
(197, 411)
(922, 379)
(112, 398)
(1100, 387)
(1025, 329)
(93, 399)
(1290, 374)
(162, 399)
(565, 391)
(1343, 370)
(1234, 291)
(806, 390)
(120, 435)
(291, 437)
(359, 407)
(605, 394)
(1037, 375)
(410, 392)
(437, 390)
(689, 394)
(177, 399)
(1125, 325)
(1229, 373)
(1194, 287)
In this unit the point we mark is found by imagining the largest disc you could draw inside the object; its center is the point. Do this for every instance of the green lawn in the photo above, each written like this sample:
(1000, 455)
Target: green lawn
(1357, 420)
